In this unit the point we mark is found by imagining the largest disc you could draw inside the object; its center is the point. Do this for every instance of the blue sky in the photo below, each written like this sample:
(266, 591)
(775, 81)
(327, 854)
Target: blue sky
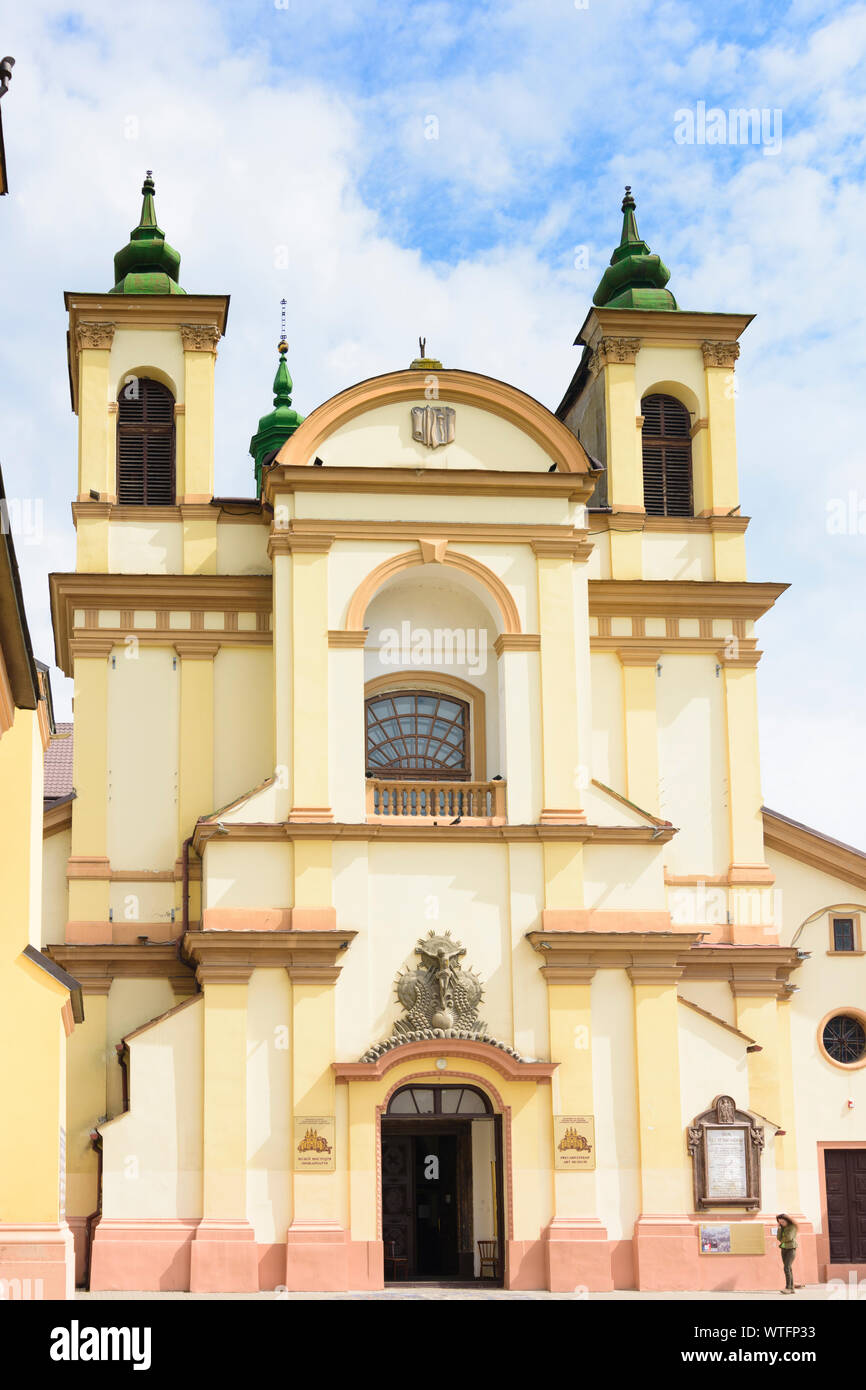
(290, 148)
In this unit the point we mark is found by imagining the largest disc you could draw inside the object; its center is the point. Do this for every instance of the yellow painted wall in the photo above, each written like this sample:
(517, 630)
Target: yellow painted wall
(618, 1170)
(131, 1003)
(242, 549)
(677, 555)
(152, 1154)
(382, 438)
(269, 1110)
(247, 875)
(142, 758)
(21, 833)
(608, 745)
(145, 547)
(55, 853)
(243, 721)
(693, 763)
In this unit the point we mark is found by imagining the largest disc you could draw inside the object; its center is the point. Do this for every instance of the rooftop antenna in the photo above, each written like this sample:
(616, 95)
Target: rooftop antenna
(422, 343)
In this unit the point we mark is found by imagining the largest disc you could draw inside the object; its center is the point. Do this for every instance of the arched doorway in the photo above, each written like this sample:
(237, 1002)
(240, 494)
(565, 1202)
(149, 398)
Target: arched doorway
(441, 1183)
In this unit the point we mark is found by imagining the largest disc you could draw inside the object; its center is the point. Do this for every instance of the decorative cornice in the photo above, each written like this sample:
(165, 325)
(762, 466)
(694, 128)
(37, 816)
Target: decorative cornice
(662, 956)
(573, 832)
(338, 637)
(576, 547)
(628, 521)
(507, 1065)
(720, 354)
(282, 542)
(200, 337)
(639, 655)
(450, 482)
(197, 649)
(661, 328)
(231, 957)
(95, 966)
(160, 593)
(808, 846)
(682, 597)
(517, 642)
(94, 335)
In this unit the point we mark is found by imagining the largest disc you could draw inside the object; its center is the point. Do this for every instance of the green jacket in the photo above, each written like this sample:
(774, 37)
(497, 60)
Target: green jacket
(787, 1237)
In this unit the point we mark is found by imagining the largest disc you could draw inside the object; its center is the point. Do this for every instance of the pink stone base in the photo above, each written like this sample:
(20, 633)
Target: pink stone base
(578, 1256)
(224, 1258)
(37, 1261)
(525, 1264)
(317, 1257)
(143, 1255)
(668, 1258)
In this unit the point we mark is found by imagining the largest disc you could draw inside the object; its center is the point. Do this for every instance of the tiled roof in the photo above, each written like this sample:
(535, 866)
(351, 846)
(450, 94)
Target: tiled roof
(58, 765)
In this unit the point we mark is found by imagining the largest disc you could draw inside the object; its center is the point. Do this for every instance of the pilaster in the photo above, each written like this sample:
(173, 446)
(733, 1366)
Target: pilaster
(561, 796)
(641, 727)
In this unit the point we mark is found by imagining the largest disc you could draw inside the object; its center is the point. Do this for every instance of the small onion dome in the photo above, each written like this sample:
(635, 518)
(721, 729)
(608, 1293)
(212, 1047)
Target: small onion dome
(635, 278)
(147, 264)
(279, 424)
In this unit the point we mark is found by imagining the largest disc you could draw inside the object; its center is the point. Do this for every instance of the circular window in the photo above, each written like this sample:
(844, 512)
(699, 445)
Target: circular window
(843, 1039)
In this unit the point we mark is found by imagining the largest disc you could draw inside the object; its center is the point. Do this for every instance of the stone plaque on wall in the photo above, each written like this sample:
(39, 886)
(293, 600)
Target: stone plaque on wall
(314, 1143)
(573, 1142)
(725, 1144)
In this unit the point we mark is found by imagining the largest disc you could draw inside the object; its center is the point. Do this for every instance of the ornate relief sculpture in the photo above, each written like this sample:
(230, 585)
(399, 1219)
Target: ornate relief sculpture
(433, 424)
(440, 999)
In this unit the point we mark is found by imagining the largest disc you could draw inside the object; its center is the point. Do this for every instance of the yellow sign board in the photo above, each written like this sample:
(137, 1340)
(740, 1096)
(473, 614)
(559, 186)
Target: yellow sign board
(573, 1142)
(736, 1238)
(314, 1144)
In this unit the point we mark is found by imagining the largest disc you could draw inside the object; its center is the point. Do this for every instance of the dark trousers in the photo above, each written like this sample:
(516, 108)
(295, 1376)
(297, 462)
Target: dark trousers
(788, 1257)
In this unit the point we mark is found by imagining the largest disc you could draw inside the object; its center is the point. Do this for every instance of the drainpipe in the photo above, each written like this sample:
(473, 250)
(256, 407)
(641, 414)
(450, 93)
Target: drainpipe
(185, 883)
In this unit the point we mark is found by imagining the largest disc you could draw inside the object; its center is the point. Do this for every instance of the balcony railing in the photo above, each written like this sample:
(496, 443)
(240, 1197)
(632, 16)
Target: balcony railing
(474, 803)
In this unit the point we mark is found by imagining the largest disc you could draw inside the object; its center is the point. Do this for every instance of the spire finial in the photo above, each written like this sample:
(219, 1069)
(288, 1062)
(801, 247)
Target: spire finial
(281, 422)
(635, 278)
(147, 264)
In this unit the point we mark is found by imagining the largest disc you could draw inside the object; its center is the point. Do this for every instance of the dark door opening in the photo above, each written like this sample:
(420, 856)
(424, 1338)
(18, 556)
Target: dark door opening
(845, 1174)
(430, 1204)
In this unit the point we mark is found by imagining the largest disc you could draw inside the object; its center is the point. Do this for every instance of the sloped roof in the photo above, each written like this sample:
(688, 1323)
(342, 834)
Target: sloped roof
(58, 766)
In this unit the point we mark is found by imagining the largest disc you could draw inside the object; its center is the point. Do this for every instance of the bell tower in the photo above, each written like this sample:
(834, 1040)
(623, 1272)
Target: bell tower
(141, 370)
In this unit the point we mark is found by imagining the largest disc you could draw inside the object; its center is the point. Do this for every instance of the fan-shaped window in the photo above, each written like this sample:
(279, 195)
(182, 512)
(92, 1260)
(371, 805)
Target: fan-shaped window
(145, 443)
(418, 733)
(438, 1100)
(667, 457)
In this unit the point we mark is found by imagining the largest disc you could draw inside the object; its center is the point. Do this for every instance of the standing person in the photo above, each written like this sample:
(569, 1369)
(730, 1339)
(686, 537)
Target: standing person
(786, 1235)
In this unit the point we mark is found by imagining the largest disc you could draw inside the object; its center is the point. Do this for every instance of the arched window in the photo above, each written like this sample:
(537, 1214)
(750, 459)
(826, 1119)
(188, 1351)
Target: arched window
(667, 457)
(418, 734)
(438, 1100)
(145, 443)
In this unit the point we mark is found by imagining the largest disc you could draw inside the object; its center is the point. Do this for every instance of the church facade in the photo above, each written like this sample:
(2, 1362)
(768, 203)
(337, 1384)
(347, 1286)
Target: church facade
(414, 867)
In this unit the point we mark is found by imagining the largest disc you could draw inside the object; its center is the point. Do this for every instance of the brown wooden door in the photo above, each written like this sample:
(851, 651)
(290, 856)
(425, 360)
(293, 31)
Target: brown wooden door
(845, 1172)
(398, 1197)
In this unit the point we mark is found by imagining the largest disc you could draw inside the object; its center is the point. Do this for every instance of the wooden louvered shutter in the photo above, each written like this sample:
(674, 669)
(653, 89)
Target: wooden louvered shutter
(145, 444)
(667, 457)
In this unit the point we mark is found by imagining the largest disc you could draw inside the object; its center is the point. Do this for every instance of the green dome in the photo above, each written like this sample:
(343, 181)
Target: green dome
(280, 423)
(147, 264)
(635, 278)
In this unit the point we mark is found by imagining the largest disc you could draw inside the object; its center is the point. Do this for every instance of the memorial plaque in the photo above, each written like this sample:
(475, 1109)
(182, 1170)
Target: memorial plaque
(725, 1144)
(314, 1144)
(727, 1177)
(573, 1142)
